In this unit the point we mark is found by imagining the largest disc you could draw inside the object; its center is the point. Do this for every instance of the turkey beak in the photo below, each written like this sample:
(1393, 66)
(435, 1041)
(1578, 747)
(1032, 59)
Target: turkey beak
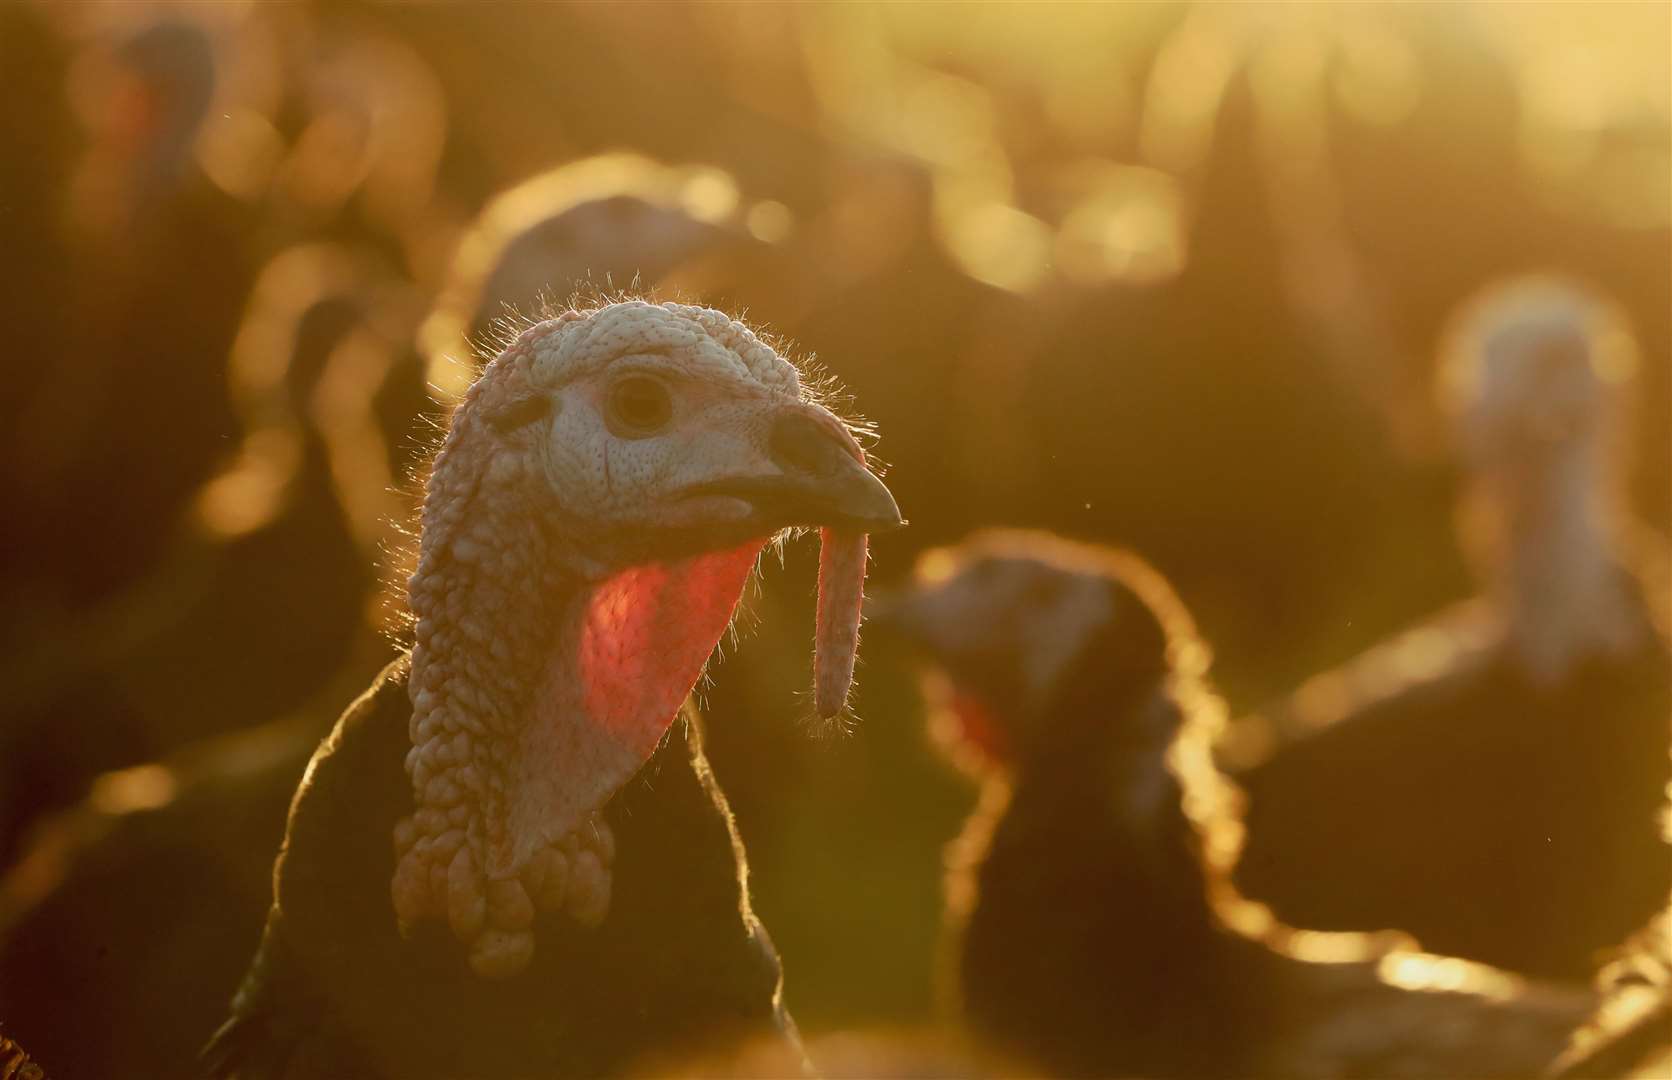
(820, 478)
(825, 475)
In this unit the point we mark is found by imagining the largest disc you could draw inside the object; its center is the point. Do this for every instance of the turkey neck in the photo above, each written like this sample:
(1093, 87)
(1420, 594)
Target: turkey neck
(1561, 584)
(1096, 790)
(492, 606)
(1091, 918)
(534, 690)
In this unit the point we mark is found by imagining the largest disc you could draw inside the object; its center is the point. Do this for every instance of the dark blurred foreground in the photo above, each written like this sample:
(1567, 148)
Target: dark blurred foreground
(1161, 276)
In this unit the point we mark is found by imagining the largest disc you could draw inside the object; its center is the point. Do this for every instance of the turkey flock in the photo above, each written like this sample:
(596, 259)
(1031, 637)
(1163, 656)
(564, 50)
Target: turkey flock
(476, 482)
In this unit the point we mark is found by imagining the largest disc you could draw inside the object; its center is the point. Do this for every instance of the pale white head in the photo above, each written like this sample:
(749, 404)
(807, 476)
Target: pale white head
(639, 429)
(1537, 372)
(1534, 371)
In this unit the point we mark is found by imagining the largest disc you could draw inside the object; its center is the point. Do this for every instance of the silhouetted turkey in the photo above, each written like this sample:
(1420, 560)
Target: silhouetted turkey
(140, 236)
(1489, 780)
(269, 557)
(138, 905)
(266, 553)
(149, 235)
(1096, 931)
(500, 863)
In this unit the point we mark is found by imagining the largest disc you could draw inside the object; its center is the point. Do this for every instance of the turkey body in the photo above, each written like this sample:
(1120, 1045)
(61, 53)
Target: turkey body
(1090, 947)
(335, 991)
(1492, 817)
(1093, 949)
(1094, 928)
(1491, 781)
(193, 877)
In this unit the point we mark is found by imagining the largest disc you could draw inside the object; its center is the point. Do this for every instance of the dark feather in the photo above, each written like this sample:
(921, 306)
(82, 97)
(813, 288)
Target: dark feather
(1490, 816)
(1102, 939)
(680, 963)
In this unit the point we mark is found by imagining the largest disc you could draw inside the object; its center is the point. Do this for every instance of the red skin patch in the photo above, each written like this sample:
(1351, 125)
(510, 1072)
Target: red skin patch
(647, 633)
(978, 727)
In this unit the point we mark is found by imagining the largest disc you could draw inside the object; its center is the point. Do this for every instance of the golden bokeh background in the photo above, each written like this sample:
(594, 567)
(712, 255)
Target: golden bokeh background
(1169, 276)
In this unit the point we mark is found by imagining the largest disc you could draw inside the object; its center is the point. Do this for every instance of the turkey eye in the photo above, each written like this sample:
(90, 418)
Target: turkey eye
(639, 406)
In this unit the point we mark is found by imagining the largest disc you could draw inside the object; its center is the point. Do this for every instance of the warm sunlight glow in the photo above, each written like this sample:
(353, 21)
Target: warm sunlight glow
(1419, 971)
(143, 787)
(1269, 675)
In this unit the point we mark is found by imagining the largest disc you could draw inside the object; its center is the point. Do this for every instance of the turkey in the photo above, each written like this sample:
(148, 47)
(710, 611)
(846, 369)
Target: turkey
(268, 558)
(139, 235)
(1095, 929)
(1492, 776)
(507, 859)
(137, 906)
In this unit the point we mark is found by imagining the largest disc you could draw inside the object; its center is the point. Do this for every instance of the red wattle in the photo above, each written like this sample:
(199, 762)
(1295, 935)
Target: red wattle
(841, 601)
(979, 727)
(646, 634)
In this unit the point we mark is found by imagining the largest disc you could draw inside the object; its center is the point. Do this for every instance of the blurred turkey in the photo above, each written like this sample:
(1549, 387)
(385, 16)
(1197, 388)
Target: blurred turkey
(126, 399)
(1095, 929)
(609, 222)
(149, 236)
(274, 554)
(295, 512)
(368, 125)
(136, 907)
(1489, 780)
(132, 219)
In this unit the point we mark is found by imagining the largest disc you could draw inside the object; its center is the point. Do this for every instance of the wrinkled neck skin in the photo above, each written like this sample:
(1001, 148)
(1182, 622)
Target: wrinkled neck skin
(1558, 579)
(492, 609)
(540, 684)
